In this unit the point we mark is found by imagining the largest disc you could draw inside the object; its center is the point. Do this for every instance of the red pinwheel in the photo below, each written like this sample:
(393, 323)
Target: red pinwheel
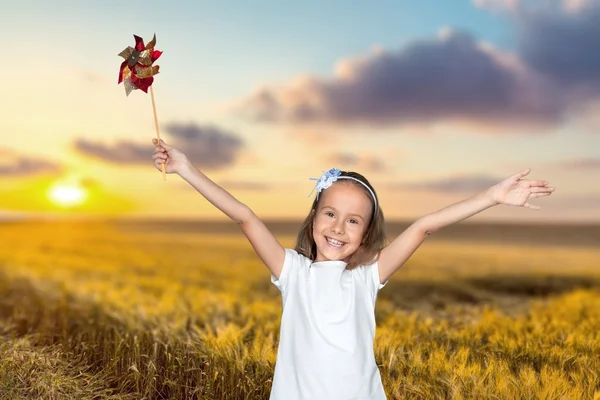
(137, 72)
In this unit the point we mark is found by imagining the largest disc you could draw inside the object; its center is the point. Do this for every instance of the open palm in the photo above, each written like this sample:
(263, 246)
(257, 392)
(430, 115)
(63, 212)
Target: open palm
(516, 191)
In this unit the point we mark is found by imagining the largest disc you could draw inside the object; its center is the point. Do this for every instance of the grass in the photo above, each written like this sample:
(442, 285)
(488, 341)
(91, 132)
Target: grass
(93, 312)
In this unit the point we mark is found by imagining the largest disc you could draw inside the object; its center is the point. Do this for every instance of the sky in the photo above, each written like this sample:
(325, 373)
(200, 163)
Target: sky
(432, 101)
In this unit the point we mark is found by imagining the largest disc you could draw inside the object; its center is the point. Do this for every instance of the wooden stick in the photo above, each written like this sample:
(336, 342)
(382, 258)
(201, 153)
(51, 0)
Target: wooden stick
(164, 173)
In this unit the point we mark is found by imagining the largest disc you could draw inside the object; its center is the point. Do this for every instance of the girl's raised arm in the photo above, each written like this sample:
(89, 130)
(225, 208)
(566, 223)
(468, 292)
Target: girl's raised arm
(513, 191)
(262, 240)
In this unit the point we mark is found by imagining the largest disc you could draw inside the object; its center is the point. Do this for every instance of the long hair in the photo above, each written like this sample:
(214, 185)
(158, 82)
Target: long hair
(374, 238)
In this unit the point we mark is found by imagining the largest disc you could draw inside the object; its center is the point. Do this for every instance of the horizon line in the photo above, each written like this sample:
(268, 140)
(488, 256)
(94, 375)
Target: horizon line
(148, 219)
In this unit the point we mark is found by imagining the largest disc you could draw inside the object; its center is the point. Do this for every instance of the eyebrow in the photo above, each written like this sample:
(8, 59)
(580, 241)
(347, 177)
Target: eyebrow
(352, 215)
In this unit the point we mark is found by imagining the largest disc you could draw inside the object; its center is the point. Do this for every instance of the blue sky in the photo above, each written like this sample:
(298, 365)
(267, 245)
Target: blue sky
(248, 42)
(63, 99)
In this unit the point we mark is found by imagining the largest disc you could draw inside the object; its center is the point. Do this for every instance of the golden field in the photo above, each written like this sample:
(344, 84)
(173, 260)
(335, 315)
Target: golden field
(169, 311)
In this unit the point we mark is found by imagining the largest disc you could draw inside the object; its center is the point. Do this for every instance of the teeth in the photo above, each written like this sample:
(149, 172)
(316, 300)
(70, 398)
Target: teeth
(334, 242)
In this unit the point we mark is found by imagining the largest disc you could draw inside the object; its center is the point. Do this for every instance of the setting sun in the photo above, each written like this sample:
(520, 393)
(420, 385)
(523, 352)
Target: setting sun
(67, 195)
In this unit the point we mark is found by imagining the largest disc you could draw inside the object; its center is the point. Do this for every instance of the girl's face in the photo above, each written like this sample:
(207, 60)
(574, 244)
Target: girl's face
(341, 221)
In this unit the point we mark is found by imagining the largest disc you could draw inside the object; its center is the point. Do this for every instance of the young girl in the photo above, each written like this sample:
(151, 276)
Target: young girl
(329, 282)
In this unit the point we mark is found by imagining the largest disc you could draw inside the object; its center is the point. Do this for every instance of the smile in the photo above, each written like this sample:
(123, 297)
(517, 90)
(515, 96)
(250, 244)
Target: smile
(334, 243)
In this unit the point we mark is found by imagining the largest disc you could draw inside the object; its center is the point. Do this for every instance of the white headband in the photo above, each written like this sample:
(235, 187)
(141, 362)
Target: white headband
(327, 179)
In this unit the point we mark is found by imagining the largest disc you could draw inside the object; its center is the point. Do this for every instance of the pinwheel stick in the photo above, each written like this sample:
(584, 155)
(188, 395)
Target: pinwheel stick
(157, 130)
(137, 72)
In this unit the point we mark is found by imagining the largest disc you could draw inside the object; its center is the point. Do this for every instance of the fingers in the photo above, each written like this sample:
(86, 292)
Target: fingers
(534, 195)
(523, 173)
(159, 150)
(517, 177)
(538, 192)
(162, 143)
(538, 183)
(534, 184)
(158, 166)
(533, 207)
(543, 189)
(160, 155)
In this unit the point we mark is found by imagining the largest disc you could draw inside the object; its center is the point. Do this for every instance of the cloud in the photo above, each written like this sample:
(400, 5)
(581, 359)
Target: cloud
(451, 185)
(497, 5)
(580, 163)
(557, 38)
(452, 77)
(122, 152)
(28, 166)
(206, 146)
(365, 162)
(520, 6)
(577, 6)
(563, 45)
(552, 77)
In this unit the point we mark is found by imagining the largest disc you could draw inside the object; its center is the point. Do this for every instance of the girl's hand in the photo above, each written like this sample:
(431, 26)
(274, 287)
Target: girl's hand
(514, 191)
(175, 161)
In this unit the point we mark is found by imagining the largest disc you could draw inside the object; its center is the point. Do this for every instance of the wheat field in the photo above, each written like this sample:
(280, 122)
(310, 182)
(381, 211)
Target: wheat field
(99, 311)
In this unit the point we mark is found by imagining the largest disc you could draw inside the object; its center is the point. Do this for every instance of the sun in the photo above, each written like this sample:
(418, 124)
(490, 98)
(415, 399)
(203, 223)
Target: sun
(67, 194)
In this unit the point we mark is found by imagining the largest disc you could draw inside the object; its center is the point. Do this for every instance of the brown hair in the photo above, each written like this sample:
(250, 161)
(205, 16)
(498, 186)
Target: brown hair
(374, 238)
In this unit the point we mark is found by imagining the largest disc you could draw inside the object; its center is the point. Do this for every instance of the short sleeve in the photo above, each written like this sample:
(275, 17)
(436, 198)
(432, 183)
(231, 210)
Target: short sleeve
(289, 262)
(377, 285)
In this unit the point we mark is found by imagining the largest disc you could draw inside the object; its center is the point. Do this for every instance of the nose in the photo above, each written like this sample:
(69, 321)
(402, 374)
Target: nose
(338, 227)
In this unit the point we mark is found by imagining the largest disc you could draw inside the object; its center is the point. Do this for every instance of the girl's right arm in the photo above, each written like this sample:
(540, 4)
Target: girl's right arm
(262, 240)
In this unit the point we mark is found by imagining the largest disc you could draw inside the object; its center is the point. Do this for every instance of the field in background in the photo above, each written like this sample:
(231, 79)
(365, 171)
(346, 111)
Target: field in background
(186, 310)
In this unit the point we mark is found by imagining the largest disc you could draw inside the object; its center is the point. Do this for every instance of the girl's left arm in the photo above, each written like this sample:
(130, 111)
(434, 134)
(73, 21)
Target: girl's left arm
(513, 191)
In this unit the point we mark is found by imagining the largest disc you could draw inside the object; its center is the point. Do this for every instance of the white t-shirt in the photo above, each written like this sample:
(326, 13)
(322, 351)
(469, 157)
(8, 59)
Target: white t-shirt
(327, 331)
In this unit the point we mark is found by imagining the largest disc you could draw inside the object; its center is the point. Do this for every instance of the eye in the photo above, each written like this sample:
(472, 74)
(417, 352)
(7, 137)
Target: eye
(353, 221)
(329, 214)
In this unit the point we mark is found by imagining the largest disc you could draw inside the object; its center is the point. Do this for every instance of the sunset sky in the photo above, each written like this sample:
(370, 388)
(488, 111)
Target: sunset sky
(433, 101)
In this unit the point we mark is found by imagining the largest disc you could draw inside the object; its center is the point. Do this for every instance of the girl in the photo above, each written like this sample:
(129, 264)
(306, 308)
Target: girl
(329, 282)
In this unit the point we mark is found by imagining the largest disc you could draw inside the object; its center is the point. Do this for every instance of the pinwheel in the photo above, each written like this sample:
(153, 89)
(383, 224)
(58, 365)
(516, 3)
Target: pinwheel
(137, 72)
